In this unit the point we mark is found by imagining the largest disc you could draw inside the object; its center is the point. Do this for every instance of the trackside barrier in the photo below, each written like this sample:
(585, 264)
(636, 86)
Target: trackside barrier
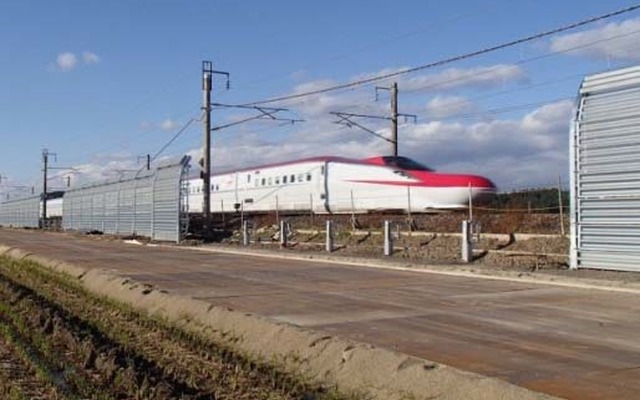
(21, 213)
(147, 203)
(605, 196)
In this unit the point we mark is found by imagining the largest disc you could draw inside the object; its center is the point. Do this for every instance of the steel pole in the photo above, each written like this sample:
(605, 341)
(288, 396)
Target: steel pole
(207, 70)
(394, 118)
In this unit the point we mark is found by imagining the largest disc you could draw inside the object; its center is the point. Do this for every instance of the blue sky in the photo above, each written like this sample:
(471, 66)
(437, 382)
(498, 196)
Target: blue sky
(102, 82)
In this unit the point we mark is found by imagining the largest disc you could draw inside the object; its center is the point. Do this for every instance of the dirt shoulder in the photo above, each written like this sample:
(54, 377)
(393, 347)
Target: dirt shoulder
(354, 368)
(530, 259)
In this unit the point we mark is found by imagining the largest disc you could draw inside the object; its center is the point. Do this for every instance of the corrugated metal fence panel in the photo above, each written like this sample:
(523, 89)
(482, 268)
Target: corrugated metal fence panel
(145, 204)
(606, 173)
(22, 213)
(166, 204)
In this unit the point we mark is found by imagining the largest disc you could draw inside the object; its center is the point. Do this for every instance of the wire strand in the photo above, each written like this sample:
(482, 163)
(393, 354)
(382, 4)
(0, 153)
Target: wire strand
(452, 59)
(177, 134)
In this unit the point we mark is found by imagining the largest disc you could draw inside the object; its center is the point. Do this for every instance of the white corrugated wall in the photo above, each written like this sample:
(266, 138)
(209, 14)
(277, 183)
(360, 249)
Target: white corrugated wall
(605, 172)
(149, 203)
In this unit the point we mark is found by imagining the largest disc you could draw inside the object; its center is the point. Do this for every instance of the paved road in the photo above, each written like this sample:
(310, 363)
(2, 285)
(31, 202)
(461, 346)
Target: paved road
(574, 343)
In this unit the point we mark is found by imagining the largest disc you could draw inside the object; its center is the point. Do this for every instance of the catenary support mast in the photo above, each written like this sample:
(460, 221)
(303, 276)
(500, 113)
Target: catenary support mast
(207, 71)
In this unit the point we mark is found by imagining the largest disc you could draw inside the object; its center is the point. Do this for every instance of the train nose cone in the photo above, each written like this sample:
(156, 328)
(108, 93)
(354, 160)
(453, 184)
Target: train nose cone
(479, 182)
(455, 180)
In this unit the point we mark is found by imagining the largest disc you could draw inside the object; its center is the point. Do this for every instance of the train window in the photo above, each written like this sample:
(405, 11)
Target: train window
(404, 163)
(300, 177)
(270, 181)
(277, 180)
(308, 177)
(284, 179)
(322, 170)
(248, 178)
(217, 187)
(264, 181)
(293, 178)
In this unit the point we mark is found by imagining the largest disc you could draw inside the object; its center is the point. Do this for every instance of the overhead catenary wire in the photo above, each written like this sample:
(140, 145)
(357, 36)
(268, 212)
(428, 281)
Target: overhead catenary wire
(174, 137)
(433, 25)
(449, 60)
(503, 110)
(523, 61)
(495, 111)
(416, 91)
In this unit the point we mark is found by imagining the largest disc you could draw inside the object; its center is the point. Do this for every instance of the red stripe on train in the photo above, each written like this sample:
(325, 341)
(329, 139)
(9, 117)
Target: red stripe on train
(435, 180)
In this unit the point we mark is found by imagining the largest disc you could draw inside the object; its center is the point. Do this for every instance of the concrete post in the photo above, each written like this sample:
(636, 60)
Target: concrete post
(329, 242)
(283, 234)
(245, 233)
(467, 247)
(388, 239)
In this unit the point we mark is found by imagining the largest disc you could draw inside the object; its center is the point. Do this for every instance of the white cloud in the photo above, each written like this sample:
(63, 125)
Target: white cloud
(533, 148)
(530, 150)
(455, 78)
(446, 106)
(168, 125)
(104, 167)
(90, 58)
(165, 125)
(66, 61)
(477, 78)
(616, 41)
(527, 151)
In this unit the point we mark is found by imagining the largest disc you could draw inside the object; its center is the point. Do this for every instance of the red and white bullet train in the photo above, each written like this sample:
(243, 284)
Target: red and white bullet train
(339, 185)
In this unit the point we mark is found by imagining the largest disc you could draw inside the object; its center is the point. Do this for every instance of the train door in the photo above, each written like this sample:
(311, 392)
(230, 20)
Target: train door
(322, 183)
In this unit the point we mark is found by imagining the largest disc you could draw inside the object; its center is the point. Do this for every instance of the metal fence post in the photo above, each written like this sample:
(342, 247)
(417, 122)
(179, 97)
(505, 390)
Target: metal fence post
(245, 233)
(329, 241)
(467, 247)
(388, 239)
(283, 233)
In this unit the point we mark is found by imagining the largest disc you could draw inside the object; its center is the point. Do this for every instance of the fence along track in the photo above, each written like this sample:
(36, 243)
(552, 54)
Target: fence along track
(147, 203)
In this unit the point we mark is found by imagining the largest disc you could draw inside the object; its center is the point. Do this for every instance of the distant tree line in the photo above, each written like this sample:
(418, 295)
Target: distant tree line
(532, 200)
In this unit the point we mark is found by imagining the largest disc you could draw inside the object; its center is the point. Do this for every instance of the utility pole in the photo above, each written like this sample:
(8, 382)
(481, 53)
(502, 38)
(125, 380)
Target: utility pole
(394, 118)
(393, 89)
(207, 73)
(348, 119)
(207, 70)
